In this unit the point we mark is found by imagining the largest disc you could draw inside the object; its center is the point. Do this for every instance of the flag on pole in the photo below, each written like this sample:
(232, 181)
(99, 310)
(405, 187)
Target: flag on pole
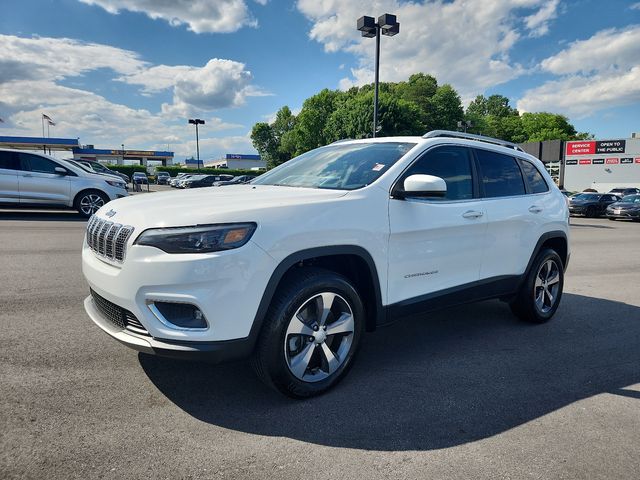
(1, 120)
(48, 119)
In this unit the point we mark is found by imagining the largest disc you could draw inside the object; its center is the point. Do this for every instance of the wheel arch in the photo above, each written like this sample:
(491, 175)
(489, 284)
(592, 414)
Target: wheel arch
(556, 240)
(351, 261)
(86, 190)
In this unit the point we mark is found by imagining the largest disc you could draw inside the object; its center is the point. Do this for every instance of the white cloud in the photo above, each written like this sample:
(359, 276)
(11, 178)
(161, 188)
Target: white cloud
(219, 84)
(606, 49)
(594, 74)
(538, 23)
(582, 96)
(31, 71)
(635, 6)
(57, 58)
(200, 16)
(462, 42)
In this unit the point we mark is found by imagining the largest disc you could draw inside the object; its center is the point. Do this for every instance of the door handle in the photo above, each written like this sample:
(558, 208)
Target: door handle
(535, 209)
(27, 175)
(472, 214)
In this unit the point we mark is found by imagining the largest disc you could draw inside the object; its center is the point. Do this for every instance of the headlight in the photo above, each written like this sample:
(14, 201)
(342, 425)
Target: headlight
(115, 183)
(198, 239)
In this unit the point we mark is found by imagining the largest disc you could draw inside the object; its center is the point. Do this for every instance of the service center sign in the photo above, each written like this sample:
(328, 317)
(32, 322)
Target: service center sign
(596, 147)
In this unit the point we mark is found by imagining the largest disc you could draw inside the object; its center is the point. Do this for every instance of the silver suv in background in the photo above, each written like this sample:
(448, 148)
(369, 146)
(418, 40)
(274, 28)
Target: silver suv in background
(31, 179)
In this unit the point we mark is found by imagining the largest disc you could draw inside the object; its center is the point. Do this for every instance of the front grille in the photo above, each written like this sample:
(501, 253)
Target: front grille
(118, 316)
(108, 239)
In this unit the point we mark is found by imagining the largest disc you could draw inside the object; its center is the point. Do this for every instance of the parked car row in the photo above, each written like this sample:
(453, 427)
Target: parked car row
(619, 203)
(194, 180)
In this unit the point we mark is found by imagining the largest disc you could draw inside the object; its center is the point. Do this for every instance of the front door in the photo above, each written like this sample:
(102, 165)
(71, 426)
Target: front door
(436, 243)
(39, 183)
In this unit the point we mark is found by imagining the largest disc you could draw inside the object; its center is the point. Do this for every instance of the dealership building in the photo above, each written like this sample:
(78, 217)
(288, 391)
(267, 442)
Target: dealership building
(238, 161)
(123, 157)
(601, 164)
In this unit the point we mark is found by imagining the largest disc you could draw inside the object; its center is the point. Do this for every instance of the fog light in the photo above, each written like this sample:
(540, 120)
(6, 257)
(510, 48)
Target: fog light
(183, 315)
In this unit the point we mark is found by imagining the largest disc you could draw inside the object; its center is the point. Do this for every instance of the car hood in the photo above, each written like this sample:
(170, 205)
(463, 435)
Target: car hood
(234, 203)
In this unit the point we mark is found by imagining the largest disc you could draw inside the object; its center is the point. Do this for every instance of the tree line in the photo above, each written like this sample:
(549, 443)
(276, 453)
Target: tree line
(405, 108)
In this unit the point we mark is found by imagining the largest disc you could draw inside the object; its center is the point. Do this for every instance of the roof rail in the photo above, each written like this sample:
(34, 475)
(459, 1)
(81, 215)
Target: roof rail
(471, 136)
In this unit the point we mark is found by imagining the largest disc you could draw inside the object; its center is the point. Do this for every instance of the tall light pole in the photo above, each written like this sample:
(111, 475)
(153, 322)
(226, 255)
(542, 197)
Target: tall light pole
(122, 145)
(196, 122)
(389, 26)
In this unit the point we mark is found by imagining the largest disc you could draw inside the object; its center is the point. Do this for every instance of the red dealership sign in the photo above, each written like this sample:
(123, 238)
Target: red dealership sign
(611, 161)
(581, 148)
(585, 162)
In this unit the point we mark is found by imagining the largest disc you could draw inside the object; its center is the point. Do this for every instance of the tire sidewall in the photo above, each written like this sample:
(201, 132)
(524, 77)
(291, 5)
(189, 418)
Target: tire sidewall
(279, 371)
(542, 257)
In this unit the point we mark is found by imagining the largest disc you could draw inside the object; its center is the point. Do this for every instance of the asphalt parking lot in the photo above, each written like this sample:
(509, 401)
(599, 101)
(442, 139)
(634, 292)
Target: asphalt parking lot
(465, 393)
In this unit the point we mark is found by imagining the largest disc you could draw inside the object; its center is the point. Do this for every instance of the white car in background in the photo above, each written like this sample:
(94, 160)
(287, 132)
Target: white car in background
(35, 179)
(294, 267)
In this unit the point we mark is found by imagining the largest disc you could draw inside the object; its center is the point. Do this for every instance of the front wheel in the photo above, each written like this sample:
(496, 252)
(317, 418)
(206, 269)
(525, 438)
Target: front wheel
(541, 291)
(311, 333)
(89, 202)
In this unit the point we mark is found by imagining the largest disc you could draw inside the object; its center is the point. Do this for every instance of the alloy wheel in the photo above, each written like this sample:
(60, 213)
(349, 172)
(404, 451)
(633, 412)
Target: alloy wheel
(319, 337)
(547, 286)
(90, 204)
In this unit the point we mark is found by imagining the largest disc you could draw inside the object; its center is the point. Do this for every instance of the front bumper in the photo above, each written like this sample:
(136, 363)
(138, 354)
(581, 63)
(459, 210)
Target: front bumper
(213, 352)
(622, 214)
(225, 286)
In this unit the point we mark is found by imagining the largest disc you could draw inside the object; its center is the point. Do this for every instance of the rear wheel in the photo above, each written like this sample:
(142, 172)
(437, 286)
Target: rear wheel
(612, 219)
(540, 294)
(591, 212)
(89, 202)
(311, 333)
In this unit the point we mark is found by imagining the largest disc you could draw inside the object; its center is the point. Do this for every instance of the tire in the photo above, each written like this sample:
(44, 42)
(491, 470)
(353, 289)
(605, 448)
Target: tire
(296, 354)
(612, 219)
(590, 212)
(540, 294)
(89, 202)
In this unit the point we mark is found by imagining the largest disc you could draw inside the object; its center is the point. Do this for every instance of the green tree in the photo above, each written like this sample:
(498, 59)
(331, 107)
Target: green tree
(542, 126)
(265, 143)
(445, 109)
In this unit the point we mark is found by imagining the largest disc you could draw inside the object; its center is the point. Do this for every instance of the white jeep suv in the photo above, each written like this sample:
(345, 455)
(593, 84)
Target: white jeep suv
(35, 180)
(293, 268)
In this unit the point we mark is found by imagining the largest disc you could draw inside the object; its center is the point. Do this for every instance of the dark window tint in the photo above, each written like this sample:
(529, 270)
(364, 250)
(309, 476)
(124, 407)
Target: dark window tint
(37, 163)
(453, 164)
(8, 161)
(609, 198)
(534, 178)
(500, 174)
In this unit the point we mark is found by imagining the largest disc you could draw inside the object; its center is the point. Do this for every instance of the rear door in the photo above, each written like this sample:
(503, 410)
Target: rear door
(515, 212)
(39, 183)
(436, 243)
(9, 169)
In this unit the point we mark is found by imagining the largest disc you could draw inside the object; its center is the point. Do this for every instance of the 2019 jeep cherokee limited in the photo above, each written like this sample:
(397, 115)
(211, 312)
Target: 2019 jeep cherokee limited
(293, 268)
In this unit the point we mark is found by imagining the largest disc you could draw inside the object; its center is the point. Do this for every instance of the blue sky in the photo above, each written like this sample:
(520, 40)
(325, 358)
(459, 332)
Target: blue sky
(133, 71)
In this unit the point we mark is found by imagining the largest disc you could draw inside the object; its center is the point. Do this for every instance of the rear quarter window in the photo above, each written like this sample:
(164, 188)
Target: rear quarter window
(533, 177)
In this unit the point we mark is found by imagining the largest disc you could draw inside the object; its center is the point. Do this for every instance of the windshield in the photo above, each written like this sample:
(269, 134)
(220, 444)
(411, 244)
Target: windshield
(341, 167)
(630, 199)
(587, 196)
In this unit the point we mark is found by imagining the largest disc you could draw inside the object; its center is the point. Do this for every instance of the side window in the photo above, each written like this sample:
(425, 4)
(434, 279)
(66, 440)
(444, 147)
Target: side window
(453, 164)
(36, 163)
(8, 161)
(500, 174)
(533, 177)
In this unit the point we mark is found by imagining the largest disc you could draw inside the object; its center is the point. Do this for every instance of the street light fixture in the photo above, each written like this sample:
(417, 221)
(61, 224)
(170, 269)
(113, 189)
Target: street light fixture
(196, 122)
(389, 26)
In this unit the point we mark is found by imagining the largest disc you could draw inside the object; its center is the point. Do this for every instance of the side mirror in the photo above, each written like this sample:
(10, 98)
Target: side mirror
(60, 171)
(423, 186)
